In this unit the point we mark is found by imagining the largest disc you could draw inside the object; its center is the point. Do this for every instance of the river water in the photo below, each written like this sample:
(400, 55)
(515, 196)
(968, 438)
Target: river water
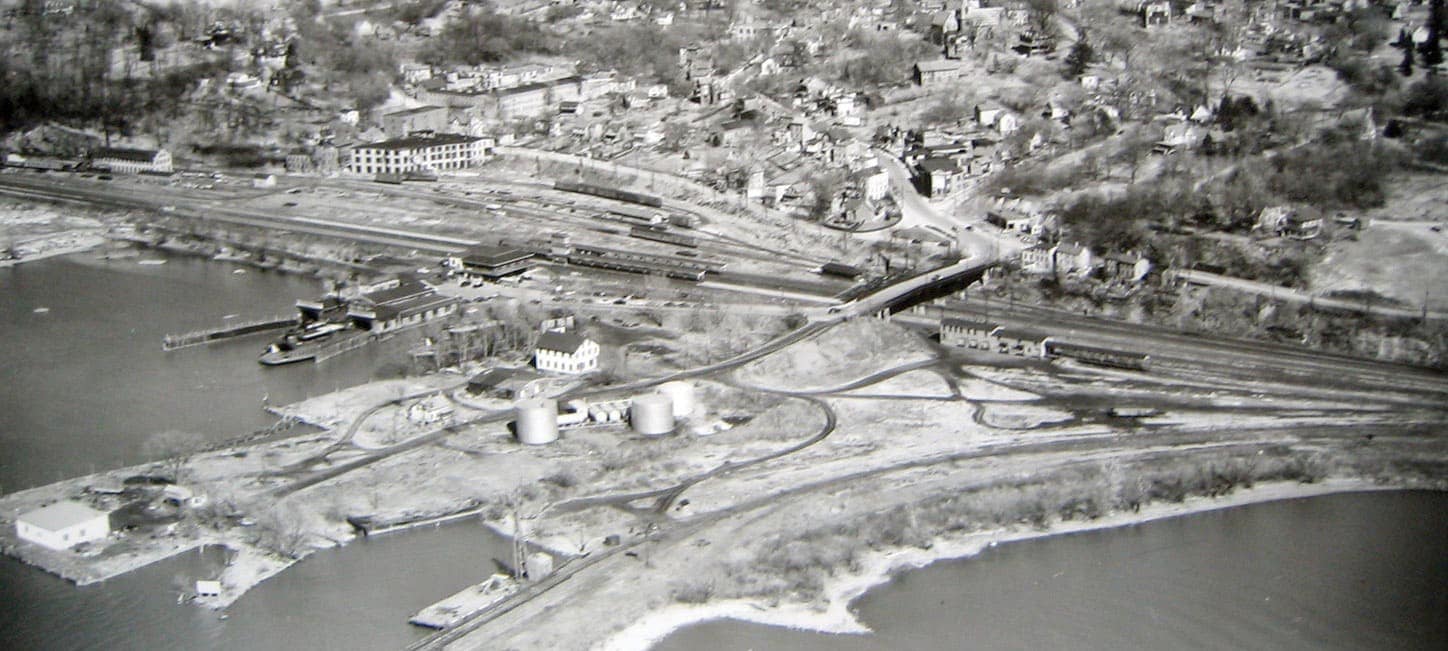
(83, 384)
(1355, 571)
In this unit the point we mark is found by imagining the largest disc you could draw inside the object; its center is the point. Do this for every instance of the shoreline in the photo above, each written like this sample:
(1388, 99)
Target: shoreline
(881, 567)
(88, 240)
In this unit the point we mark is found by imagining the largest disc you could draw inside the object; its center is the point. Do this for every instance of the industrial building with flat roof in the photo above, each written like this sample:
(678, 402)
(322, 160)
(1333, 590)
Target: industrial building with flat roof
(63, 525)
(492, 262)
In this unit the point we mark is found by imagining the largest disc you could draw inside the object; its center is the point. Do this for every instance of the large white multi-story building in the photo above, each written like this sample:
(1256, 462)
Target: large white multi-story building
(132, 161)
(419, 152)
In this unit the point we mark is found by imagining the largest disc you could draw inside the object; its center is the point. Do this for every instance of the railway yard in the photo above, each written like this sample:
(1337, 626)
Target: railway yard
(824, 439)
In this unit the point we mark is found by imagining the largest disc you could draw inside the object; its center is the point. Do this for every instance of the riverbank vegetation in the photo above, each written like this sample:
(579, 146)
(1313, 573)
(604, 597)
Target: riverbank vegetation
(796, 566)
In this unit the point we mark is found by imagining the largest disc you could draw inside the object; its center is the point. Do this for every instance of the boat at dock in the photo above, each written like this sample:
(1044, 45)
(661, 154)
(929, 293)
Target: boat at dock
(301, 345)
(282, 352)
(465, 603)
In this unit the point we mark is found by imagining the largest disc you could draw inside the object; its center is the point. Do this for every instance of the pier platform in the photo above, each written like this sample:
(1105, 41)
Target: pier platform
(199, 337)
(465, 603)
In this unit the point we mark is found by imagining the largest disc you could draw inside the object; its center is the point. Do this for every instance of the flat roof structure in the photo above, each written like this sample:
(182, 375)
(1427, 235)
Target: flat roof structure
(496, 261)
(405, 289)
(61, 515)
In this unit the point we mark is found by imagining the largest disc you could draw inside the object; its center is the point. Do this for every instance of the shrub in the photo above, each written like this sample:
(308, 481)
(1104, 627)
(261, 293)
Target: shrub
(694, 592)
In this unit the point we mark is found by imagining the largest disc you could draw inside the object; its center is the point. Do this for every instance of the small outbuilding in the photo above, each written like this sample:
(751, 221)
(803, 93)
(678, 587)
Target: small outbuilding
(206, 588)
(63, 525)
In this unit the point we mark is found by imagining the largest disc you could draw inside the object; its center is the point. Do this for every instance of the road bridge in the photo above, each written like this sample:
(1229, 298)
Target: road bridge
(907, 292)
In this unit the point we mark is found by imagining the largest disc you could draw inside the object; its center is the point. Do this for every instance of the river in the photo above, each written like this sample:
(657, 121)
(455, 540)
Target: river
(84, 381)
(1354, 571)
(83, 384)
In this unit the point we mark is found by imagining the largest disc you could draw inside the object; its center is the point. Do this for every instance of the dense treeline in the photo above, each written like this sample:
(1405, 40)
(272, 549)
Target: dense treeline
(61, 67)
(644, 51)
(486, 37)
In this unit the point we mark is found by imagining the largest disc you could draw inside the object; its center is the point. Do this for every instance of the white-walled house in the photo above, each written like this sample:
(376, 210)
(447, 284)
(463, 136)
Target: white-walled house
(563, 352)
(63, 525)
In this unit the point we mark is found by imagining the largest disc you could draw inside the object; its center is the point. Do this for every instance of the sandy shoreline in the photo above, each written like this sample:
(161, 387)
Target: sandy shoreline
(880, 566)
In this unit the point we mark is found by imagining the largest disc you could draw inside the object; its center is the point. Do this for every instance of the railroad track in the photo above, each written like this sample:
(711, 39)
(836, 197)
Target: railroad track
(1259, 360)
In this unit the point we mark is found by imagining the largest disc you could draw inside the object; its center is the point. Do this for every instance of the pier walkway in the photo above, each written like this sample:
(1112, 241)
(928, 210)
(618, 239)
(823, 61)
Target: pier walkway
(174, 342)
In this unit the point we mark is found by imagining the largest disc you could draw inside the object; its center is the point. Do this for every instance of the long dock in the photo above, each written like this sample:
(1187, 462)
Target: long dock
(369, 527)
(199, 337)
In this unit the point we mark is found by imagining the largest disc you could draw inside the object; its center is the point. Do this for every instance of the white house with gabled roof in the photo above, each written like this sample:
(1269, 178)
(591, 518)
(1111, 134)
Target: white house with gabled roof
(565, 352)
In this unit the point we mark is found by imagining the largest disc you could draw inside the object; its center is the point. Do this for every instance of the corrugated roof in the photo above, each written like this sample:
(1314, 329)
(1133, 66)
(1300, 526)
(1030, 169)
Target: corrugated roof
(61, 515)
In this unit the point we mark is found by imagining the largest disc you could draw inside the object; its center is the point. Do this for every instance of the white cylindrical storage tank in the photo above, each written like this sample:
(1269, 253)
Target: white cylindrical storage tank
(682, 394)
(537, 421)
(652, 414)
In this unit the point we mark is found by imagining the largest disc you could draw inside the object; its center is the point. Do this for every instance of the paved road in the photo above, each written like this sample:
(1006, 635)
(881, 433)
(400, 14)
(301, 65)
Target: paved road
(976, 239)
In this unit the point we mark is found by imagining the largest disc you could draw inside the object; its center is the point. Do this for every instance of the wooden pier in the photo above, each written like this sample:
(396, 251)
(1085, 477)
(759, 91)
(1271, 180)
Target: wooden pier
(199, 337)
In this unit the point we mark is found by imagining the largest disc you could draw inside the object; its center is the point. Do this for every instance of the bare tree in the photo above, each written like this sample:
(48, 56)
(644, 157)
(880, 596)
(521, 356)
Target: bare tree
(173, 448)
(283, 531)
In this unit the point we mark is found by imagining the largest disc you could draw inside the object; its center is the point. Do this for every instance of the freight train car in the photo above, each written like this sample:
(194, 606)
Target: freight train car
(1099, 356)
(841, 270)
(609, 193)
(658, 235)
(634, 266)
